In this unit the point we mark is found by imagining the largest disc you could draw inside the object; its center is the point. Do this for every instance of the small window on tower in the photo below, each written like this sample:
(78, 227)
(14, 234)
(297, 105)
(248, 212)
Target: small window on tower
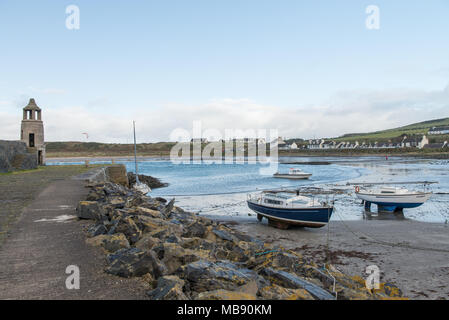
(31, 144)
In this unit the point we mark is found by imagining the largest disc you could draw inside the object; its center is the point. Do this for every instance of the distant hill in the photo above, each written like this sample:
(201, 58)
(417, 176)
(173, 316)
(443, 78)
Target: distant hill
(75, 148)
(416, 128)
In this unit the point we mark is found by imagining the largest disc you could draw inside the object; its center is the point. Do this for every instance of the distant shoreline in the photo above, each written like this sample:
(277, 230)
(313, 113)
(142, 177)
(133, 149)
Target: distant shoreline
(81, 157)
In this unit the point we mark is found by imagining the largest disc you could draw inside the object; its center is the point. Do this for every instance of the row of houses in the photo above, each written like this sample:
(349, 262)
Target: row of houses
(404, 141)
(439, 130)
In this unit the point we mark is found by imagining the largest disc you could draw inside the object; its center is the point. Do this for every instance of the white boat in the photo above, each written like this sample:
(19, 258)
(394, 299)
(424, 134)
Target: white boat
(392, 198)
(142, 187)
(284, 208)
(293, 174)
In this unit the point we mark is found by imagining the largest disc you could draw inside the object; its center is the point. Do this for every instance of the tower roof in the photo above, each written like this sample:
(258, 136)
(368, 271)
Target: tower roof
(32, 106)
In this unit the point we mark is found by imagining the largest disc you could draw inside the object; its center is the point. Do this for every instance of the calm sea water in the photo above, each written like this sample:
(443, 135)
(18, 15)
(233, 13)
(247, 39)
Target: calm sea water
(220, 189)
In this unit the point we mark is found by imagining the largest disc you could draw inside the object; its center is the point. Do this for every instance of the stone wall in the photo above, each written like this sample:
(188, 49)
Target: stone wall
(14, 155)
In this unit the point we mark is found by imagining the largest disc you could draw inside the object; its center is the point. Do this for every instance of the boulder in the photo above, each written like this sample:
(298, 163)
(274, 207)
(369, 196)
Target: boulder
(292, 281)
(97, 230)
(149, 212)
(148, 224)
(206, 275)
(222, 234)
(128, 227)
(152, 182)
(166, 211)
(197, 243)
(168, 288)
(90, 210)
(110, 243)
(134, 263)
(117, 202)
(195, 229)
(147, 242)
(174, 256)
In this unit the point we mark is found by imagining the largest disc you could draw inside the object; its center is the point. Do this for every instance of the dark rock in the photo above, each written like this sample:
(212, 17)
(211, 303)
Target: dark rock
(90, 210)
(94, 196)
(197, 244)
(292, 281)
(223, 234)
(128, 227)
(134, 263)
(147, 242)
(206, 276)
(286, 261)
(161, 200)
(196, 229)
(168, 288)
(166, 212)
(174, 256)
(392, 290)
(117, 202)
(97, 230)
(152, 182)
(109, 243)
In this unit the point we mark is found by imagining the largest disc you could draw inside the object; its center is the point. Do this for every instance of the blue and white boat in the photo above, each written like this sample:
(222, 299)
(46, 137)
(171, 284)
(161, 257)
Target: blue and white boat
(283, 209)
(391, 199)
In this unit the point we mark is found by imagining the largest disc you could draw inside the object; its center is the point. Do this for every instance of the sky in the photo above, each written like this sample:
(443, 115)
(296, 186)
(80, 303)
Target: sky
(309, 69)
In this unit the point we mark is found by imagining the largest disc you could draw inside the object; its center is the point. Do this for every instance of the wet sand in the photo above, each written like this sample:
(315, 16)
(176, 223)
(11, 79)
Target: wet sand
(414, 255)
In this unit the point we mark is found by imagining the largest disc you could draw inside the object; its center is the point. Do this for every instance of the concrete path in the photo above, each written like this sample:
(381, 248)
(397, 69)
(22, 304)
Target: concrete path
(48, 238)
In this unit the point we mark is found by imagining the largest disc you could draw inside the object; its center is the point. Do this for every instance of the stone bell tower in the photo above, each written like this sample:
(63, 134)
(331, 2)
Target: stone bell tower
(32, 132)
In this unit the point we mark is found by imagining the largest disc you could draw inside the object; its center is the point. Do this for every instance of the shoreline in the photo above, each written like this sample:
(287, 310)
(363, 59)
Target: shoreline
(411, 254)
(318, 154)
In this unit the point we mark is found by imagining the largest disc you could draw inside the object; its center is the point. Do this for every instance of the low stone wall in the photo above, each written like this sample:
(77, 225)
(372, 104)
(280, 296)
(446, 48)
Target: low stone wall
(14, 155)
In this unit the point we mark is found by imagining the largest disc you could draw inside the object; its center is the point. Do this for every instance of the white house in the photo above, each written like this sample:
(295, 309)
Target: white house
(439, 130)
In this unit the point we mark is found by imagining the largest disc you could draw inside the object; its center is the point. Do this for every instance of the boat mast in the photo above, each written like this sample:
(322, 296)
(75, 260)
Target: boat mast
(135, 153)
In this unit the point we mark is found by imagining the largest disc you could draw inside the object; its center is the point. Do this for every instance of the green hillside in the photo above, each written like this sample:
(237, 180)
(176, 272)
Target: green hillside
(416, 128)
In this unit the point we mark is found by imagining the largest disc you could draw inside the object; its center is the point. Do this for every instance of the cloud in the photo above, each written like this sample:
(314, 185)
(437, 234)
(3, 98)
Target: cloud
(346, 112)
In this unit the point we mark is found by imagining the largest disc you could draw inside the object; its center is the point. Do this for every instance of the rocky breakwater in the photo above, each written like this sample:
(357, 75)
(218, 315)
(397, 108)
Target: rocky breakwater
(185, 256)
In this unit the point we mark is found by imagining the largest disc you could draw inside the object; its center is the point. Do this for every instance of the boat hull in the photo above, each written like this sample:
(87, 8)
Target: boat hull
(306, 217)
(396, 201)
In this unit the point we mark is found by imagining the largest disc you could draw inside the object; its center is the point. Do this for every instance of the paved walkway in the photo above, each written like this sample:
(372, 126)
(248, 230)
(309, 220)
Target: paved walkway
(47, 239)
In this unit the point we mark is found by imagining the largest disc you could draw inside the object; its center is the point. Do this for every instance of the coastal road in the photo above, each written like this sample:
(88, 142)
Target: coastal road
(46, 239)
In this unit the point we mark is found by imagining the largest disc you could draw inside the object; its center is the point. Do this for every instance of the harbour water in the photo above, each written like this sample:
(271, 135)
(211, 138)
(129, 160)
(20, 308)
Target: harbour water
(219, 190)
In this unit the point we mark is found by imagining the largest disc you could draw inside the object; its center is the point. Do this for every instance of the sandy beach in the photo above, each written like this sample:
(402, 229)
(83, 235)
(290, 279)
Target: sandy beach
(413, 255)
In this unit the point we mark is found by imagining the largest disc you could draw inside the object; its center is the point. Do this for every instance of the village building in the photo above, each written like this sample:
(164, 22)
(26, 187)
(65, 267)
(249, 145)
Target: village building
(439, 130)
